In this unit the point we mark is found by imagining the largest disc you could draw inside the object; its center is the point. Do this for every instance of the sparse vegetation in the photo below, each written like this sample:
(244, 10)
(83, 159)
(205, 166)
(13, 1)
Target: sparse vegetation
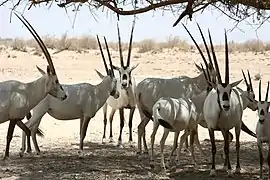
(257, 76)
(83, 43)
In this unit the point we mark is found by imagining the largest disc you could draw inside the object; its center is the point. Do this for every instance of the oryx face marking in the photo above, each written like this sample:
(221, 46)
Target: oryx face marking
(224, 94)
(263, 106)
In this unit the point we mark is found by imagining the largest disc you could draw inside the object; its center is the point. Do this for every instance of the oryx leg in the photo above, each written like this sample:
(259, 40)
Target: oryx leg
(214, 149)
(122, 119)
(175, 144)
(104, 121)
(162, 143)
(28, 133)
(259, 144)
(237, 145)
(131, 113)
(186, 143)
(83, 134)
(155, 128)
(141, 134)
(198, 144)
(111, 121)
(226, 151)
(181, 143)
(33, 123)
(11, 127)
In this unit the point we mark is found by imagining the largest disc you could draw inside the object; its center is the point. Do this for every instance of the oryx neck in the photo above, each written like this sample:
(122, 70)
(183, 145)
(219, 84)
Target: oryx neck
(37, 90)
(103, 90)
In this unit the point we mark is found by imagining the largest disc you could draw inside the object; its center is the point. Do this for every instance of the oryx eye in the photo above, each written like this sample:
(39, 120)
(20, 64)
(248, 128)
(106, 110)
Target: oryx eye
(56, 81)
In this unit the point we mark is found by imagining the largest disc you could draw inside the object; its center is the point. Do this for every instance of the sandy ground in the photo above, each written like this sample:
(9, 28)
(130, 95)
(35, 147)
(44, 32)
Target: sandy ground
(60, 144)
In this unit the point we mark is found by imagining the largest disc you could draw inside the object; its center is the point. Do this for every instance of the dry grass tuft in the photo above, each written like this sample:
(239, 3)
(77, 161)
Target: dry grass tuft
(85, 42)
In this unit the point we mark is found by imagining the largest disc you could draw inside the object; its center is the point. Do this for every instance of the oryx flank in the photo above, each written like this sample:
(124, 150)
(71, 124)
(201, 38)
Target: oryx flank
(84, 100)
(125, 85)
(18, 98)
(263, 128)
(223, 109)
(177, 115)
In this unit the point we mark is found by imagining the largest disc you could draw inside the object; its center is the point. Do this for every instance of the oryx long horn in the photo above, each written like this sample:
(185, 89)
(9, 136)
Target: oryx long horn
(227, 69)
(103, 58)
(245, 78)
(39, 41)
(250, 82)
(205, 75)
(130, 44)
(109, 55)
(267, 90)
(215, 58)
(198, 47)
(206, 47)
(260, 91)
(120, 46)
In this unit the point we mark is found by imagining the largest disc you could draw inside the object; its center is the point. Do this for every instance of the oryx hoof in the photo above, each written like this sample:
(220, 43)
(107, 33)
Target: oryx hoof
(224, 168)
(230, 173)
(81, 154)
(238, 171)
(138, 153)
(21, 154)
(131, 144)
(119, 144)
(152, 164)
(145, 153)
(212, 173)
(111, 140)
(103, 141)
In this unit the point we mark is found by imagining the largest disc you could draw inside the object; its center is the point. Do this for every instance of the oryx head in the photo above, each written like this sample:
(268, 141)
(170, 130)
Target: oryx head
(114, 92)
(223, 89)
(249, 93)
(263, 106)
(125, 70)
(52, 85)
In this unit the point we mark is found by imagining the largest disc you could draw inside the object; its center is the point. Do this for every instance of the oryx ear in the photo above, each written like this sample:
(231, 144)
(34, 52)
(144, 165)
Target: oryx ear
(134, 67)
(240, 90)
(48, 69)
(198, 67)
(236, 83)
(115, 67)
(40, 70)
(99, 74)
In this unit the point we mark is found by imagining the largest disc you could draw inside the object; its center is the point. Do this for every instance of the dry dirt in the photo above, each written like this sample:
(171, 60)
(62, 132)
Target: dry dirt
(60, 144)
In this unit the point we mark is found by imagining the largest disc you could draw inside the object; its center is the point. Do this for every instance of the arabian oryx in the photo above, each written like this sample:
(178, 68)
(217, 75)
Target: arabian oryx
(126, 85)
(18, 98)
(180, 114)
(223, 109)
(150, 90)
(263, 128)
(84, 100)
(248, 99)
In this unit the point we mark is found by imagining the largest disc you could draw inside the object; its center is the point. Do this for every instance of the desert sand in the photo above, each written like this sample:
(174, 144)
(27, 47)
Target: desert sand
(60, 144)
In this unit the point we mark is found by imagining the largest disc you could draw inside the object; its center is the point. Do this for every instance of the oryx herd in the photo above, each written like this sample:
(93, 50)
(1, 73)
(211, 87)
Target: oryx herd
(177, 104)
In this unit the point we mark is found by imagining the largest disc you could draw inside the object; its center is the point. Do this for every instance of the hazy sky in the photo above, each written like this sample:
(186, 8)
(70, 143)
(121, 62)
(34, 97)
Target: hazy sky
(56, 22)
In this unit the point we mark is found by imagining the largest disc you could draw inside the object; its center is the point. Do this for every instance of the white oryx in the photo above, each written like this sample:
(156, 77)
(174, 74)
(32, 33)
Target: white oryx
(84, 100)
(125, 85)
(18, 98)
(180, 114)
(149, 90)
(263, 128)
(223, 109)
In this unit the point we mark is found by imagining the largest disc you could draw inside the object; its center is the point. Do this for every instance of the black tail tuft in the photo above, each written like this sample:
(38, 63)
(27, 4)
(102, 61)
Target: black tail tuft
(28, 115)
(40, 133)
(165, 124)
(247, 130)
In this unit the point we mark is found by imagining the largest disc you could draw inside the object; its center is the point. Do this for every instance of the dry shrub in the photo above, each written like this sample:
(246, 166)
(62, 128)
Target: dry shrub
(254, 45)
(18, 45)
(146, 45)
(176, 42)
